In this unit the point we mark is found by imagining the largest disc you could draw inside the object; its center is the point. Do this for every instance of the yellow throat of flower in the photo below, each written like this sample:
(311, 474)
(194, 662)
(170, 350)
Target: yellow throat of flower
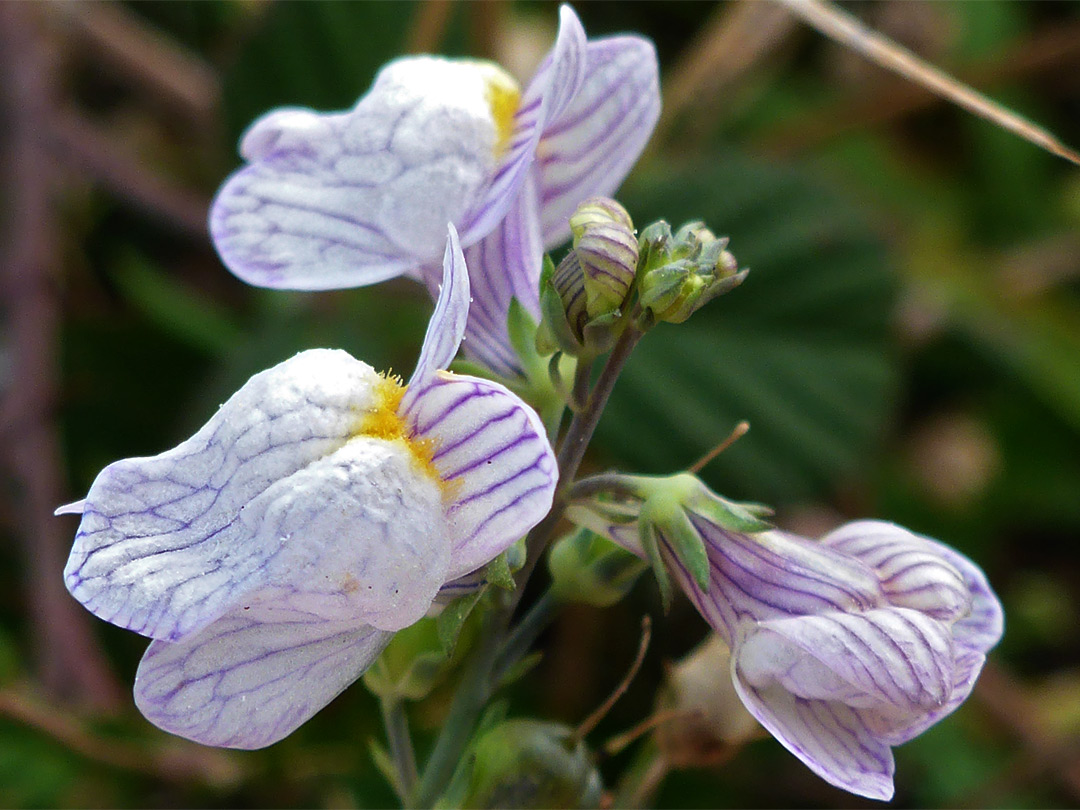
(503, 97)
(384, 421)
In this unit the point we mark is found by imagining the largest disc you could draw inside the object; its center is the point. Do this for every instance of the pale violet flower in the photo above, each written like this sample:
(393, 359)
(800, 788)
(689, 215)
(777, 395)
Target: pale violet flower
(331, 200)
(843, 647)
(273, 554)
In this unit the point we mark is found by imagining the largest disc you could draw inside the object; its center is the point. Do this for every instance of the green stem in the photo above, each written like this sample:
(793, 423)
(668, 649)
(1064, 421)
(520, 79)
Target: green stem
(469, 699)
(521, 638)
(614, 483)
(401, 749)
(477, 681)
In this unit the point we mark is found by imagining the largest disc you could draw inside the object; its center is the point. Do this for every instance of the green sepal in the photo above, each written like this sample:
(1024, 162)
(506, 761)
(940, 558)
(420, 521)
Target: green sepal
(653, 243)
(449, 622)
(748, 518)
(460, 366)
(651, 545)
(599, 334)
(414, 662)
(500, 573)
(686, 543)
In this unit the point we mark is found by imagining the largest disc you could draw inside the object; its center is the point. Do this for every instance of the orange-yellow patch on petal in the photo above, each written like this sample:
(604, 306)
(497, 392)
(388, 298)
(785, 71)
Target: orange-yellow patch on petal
(503, 97)
(384, 421)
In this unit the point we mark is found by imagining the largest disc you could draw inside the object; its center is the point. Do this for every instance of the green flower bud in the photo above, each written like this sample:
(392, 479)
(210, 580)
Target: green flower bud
(684, 271)
(528, 763)
(591, 569)
(607, 250)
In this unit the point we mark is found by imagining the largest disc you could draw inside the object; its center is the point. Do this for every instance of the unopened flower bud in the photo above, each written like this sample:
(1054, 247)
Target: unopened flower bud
(684, 271)
(569, 283)
(607, 249)
(591, 569)
(528, 763)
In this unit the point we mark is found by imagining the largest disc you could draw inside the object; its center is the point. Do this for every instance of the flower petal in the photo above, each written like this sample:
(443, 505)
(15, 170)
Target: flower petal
(504, 264)
(830, 738)
(588, 149)
(893, 656)
(351, 198)
(447, 324)
(774, 575)
(491, 450)
(922, 573)
(162, 549)
(253, 676)
(548, 95)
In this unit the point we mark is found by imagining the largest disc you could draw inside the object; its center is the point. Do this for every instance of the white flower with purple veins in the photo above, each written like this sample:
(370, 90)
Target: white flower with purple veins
(844, 647)
(273, 554)
(331, 200)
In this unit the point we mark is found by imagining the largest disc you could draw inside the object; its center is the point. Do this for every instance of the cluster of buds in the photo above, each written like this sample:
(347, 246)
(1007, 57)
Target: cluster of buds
(609, 271)
(682, 272)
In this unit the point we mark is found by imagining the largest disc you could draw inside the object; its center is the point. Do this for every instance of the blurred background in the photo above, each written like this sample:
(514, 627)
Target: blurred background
(907, 346)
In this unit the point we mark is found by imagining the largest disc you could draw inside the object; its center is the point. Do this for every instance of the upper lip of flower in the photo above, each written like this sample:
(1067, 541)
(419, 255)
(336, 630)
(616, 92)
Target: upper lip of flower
(251, 535)
(356, 197)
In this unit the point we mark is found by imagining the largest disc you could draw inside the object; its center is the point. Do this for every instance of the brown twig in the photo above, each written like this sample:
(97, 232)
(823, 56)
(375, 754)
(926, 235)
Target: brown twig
(897, 97)
(78, 143)
(168, 74)
(428, 26)
(737, 433)
(175, 762)
(848, 31)
(738, 37)
(590, 722)
(69, 661)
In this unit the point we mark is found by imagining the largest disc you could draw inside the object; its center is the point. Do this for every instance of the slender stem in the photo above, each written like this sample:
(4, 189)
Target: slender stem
(521, 638)
(614, 483)
(469, 699)
(477, 681)
(582, 377)
(572, 451)
(593, 720)
(401, 749)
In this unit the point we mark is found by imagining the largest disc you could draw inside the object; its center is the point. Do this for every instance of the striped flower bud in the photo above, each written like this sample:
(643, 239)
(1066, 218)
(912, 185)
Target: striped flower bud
(569, 283)
(607, 249)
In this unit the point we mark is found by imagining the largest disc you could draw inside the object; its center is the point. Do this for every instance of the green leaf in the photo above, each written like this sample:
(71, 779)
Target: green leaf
(800, 349)
(450, 621)
(174, 307)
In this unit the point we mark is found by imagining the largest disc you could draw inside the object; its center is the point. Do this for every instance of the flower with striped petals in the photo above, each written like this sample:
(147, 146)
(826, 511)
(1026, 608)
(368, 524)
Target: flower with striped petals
(844, 647)
(352, 198)
(273, 554)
